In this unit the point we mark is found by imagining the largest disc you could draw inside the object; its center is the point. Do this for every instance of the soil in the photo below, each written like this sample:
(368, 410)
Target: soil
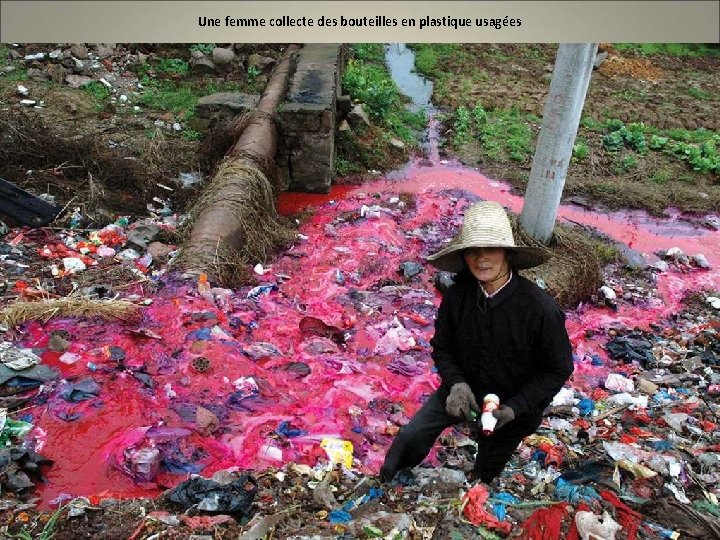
(657, 91)
(111, 161)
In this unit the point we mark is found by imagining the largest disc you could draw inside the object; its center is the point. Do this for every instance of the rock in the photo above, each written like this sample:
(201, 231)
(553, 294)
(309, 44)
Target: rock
(260, 62)
(78, 50)
(712, 223)
(608, 293)
(599, 59)
(57, 73)
(261, 80)
(142, 234)
(159, 251)
(39, 75)
(344, 126)
(77, 81)
(358, 117)
(673, 253)
(197, 54)
(105, 50)
(57, 54)
(647, 387)
(700, 260)
(344, 104)
(662, 266)
(714, 301)
(78, 65)
(396, 143)
(13, 55)
(222, 56)
(203, 65)
(58, 344)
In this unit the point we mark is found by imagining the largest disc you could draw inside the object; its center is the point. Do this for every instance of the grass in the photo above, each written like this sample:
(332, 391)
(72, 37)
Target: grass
(17, 75)
(367, 80)
(692, 50)
(98, 92)
(505, 134)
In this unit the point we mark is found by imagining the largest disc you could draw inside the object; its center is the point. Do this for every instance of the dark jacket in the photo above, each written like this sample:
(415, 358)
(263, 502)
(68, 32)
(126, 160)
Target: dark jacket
(514, 345)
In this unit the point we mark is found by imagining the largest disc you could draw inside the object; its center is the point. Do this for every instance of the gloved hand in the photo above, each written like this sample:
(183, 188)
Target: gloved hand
(461, 401)
(504, 414)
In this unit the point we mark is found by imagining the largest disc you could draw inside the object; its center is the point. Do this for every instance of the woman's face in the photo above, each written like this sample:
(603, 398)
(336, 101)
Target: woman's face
(486, 264)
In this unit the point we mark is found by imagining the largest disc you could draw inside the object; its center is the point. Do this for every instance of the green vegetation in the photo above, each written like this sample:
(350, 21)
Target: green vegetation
(18, 74)
(670, 49)
(580, 151)
(699, 94)
(505, 135)
(697, 148)
(205, 48)
(367, 80)
(99, 93)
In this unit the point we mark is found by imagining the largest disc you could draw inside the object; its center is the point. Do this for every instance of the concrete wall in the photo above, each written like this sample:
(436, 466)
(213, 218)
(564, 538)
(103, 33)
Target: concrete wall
(307, 120)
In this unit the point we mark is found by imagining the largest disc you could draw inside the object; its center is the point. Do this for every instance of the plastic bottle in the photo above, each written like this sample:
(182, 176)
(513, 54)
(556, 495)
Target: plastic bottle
(487, 420)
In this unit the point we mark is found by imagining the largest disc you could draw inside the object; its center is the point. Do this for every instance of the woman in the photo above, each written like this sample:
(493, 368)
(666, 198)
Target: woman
(495, 333)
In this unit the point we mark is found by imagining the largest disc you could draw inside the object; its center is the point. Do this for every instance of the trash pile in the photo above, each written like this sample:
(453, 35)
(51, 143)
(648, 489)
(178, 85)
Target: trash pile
(271, 406)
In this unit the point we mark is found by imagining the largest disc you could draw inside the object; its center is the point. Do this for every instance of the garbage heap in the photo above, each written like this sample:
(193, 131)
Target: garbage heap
(278, 400)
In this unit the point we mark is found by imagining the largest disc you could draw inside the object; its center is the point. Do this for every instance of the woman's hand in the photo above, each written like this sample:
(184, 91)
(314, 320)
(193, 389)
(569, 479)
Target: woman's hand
(461, 401)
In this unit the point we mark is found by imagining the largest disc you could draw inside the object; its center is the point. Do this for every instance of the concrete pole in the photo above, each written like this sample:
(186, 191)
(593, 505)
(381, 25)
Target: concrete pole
(561, 117)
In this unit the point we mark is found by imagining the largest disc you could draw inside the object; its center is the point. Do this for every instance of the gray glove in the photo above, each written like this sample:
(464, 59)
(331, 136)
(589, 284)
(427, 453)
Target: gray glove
(461, 401)
(504, 414)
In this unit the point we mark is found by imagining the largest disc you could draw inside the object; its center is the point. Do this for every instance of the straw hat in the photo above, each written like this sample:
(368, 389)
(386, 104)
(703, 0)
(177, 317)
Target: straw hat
(485, 224)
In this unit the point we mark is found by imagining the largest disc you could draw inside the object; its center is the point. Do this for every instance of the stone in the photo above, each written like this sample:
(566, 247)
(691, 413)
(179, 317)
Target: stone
(203, 65)
(57, 73)
(396, 143)
(142, 234)
(700, 260)
(662, 266)
(260, 62)
(344, 126)
(357, 117)
(77, 81)
(39, 75)
(222, 56)
(159, 251)
(230, 103)
(13, 54)
(674, 253)
(344, 104)
(608, 293)
(197, 54)
(78, 50)
(599, 59)
(647, 387)
(105, 50)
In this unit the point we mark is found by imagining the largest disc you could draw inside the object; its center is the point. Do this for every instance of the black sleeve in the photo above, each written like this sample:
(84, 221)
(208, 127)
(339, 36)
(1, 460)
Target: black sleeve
(554, 354)
(443, 344)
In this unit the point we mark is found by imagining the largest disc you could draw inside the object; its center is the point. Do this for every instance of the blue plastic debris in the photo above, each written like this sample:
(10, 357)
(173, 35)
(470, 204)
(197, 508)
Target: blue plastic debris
(498, 508)
(285, 428)
(339, 516)
(565, 491)
(586, 406)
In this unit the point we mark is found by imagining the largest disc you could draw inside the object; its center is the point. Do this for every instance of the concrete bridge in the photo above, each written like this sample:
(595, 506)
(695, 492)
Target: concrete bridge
(307, 120)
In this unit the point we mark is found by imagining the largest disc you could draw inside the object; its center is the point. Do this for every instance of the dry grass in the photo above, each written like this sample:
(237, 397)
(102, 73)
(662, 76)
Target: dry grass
(573, 272)
(242, 190)
(44, 310)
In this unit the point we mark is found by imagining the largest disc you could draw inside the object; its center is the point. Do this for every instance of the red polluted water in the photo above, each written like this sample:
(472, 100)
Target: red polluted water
(332, 344)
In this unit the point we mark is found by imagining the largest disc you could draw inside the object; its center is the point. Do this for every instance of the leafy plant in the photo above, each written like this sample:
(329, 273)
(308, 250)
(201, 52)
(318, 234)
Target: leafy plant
(461, 126)
(628, 162)
(613, 142)
(580, 151)
(173, 66)
(479, 116)
(371, 85)
(658, 143)
(699, 94)
(369, 52)
(205, 48)
(191, 135)
(253, 72)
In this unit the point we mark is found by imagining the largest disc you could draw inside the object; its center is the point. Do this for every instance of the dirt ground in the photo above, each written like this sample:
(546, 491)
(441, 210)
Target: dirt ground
(661, 91)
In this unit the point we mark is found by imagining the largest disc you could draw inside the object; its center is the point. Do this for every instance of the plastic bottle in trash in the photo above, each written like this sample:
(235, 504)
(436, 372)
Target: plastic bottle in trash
(487, 420)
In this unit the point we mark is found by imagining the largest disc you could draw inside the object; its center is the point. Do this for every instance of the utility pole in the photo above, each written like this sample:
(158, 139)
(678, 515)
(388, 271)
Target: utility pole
(561, 117)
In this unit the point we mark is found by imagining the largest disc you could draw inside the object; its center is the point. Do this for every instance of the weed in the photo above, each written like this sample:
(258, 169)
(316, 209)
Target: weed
(98, 91)
(461, 126)
(253, 72)
(372, 85)
(191, 135)
(628, 162)
(428, 56)
(479, 116)
(580, 151)
(344, 167)
(660, 177)
(368, 52)
(205, 48)
(173, 66)
(669, 49)
(699, 94)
